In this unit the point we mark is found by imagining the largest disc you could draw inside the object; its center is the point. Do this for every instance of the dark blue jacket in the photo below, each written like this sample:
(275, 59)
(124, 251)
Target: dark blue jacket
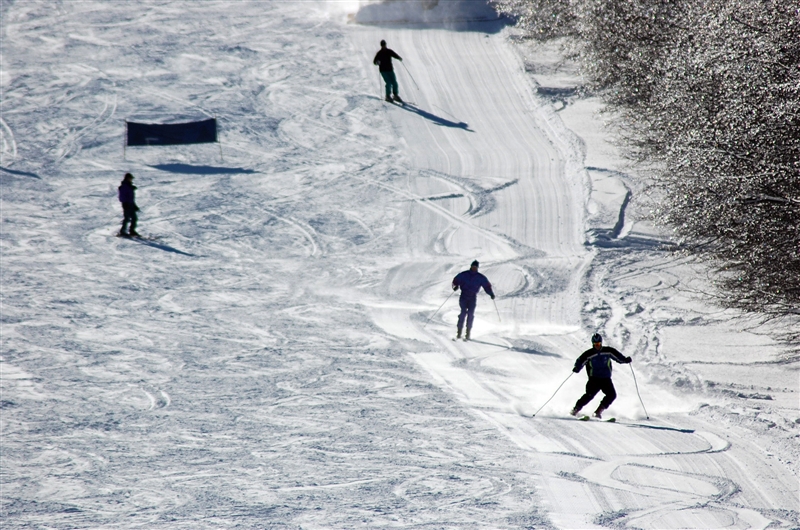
(598, 362)
(127, 193)
(470, 284)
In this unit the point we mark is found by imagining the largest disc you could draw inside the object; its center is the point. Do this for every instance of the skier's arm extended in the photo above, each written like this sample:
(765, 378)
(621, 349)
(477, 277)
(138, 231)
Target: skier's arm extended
(487, 286)
(395, 55)
(616, 355)
(455, 283)
(580, 361)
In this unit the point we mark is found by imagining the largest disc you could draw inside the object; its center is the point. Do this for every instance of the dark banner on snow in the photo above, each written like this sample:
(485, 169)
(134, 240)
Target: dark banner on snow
(196, 132)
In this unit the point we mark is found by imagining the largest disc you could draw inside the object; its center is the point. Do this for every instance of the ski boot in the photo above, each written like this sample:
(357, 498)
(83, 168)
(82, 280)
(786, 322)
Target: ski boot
(133, 233)
(574, 411)
(466, 337)
(397, 98)
(599, 413)
(389, 99)
(458, 334)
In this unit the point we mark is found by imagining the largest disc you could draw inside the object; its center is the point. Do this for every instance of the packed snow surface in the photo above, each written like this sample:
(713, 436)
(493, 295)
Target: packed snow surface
(277, 352)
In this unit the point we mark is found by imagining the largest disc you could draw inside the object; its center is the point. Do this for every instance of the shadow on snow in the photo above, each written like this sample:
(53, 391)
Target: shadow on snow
(159, 246)
(201, 170)
(20, 173)
(438, 120)
(528, 351)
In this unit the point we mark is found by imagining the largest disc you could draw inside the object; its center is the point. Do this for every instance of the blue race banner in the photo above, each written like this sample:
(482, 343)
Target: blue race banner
(196, 132)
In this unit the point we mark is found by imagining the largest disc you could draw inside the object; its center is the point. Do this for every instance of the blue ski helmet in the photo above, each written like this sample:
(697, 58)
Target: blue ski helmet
(597, 338)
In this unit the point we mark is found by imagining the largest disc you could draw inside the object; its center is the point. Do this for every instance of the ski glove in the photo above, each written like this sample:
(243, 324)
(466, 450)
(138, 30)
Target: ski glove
(628, 360)
(492, 297)
(577, 369)
(455, 287)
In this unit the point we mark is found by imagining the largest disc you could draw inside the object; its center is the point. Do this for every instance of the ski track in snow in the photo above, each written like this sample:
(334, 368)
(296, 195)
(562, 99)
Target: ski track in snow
(271, 358)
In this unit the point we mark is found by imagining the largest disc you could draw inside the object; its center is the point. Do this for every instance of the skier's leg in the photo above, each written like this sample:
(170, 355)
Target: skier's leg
(387, 79)
(463, 314)
(134, 219)
(592, 388)
(126, 218)
(470, 317)
(610, 394)
(471, 313)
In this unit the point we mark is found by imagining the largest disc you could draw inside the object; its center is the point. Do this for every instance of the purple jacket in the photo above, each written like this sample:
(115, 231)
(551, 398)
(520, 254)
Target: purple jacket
(127, 193)
(470, 284)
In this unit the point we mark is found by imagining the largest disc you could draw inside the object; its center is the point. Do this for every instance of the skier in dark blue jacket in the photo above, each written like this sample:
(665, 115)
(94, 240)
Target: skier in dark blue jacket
(127, 196)
(598, 366)
(470, 283)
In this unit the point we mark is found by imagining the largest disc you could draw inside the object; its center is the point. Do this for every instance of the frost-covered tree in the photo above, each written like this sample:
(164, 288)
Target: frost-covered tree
(724, 126)
(708, 98)
(541, 19)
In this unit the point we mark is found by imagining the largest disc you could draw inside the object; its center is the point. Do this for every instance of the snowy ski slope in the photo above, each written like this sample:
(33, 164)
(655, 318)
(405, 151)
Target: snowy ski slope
(273, 357)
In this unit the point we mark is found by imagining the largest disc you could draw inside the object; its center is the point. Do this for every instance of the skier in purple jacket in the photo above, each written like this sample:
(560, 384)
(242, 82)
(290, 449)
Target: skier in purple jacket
(127, 196)
(470, 283)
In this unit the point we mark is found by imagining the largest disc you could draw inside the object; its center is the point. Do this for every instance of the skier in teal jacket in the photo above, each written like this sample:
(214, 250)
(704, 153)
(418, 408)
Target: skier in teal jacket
(598, 367)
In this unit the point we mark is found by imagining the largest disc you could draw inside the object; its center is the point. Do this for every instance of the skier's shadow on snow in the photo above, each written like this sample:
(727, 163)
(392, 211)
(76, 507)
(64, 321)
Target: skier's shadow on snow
(161, 246)
(201, 170)
(438, 120)
(20, 173)
(529, 351)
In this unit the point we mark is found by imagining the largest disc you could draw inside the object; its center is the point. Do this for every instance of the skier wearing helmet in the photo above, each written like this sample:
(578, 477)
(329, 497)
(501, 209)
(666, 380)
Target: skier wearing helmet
(598, 367)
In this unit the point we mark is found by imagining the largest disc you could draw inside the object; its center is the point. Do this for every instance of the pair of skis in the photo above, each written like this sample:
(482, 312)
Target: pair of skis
(588, 418)
(138, 237)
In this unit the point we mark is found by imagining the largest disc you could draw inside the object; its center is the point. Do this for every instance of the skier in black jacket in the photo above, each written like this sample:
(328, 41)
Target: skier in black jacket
(127, 196)
(598, 366)
(384, 61)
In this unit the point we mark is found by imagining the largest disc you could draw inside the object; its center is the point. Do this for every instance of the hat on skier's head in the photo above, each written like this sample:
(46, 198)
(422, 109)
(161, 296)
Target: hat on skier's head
(128, 176)
(475, 264)
(383, 43)
(597, 338)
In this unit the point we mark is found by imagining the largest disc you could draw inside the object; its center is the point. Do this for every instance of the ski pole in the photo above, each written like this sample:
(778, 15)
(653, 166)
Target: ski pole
(441, 306)
(409, 75)
(638, 394)
(554, 394)
(498, 311)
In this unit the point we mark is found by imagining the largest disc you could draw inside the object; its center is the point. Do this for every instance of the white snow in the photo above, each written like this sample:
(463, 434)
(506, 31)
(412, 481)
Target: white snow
(274, 358)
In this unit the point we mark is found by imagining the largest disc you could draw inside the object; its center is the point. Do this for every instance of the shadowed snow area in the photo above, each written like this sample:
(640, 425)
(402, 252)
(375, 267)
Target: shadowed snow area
(454, 15)
(276, 351)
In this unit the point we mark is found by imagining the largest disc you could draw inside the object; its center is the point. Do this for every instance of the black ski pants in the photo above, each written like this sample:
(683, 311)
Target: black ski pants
(595, 385)
(129, 210)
